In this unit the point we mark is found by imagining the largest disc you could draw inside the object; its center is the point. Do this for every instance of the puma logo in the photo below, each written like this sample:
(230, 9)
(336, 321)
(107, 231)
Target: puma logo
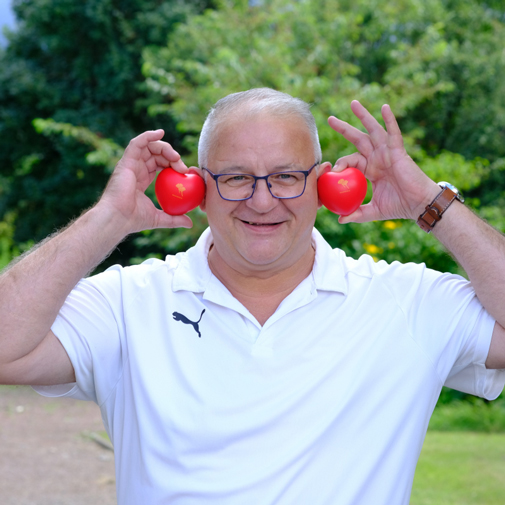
(183, 319)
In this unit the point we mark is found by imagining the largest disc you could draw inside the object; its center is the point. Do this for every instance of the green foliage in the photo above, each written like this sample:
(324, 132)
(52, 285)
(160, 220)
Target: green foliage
(74, 68)
(438, 63)
(8, 249)
(390, 240)
(457, 411)
(473, 414)
(106, 152)
(74, 71)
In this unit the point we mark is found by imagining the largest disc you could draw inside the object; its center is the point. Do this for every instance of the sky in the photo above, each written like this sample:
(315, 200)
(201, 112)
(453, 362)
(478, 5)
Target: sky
(6, 18)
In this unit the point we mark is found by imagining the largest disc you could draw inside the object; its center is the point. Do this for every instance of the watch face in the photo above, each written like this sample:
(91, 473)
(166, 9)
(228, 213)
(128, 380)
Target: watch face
(459, 196)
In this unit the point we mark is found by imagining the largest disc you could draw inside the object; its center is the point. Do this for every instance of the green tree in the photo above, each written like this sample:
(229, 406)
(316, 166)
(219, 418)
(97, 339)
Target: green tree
(424, 57)
(78, 64)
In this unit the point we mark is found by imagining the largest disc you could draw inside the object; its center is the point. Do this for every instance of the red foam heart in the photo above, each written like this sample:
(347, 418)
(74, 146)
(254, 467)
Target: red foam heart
(342, 192)
(178, 193)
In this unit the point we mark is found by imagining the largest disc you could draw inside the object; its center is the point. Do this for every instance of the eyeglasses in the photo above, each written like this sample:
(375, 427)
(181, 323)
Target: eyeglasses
(283, 185)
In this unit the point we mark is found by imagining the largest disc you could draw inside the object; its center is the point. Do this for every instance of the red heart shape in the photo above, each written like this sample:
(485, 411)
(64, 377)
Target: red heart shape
(342, 192)
(178, 193)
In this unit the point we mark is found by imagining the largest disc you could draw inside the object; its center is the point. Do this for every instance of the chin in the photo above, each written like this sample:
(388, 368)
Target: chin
(262, 258)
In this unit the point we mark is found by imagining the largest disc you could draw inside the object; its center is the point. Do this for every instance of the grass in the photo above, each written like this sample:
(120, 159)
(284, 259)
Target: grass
(460, 468)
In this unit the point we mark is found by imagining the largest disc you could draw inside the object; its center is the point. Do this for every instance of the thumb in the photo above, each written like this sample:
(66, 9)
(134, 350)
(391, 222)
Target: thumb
(164, 220)
(362, 214)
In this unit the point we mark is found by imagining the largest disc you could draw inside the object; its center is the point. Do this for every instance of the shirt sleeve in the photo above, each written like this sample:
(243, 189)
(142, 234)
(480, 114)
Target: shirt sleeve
(469, 373)
(452, 326)
(90, 327)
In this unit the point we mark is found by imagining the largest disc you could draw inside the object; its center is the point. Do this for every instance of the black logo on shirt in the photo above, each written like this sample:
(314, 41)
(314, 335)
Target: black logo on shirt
(183, 319)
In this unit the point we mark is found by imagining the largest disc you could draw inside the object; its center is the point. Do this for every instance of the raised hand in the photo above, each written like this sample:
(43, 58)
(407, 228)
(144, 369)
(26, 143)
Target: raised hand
(125, 195)
(401, 189)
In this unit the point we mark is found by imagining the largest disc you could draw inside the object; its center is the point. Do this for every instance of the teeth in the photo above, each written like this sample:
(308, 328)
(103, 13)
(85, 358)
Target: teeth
(252, 223)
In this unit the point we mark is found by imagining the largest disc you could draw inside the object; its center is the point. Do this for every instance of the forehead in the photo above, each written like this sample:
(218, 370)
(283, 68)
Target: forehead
(264, 138)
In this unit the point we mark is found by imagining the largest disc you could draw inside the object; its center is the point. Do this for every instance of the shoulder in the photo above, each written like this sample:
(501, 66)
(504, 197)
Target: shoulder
(144, 270)
(335, 271)
(407, 283)
(185, 271)
(121, 282)
(333, 267)
(366, 266)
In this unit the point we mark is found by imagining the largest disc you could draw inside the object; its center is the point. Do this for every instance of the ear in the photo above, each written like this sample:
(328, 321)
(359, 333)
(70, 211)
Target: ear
(203, 202)
(323, 169)
(202, 174)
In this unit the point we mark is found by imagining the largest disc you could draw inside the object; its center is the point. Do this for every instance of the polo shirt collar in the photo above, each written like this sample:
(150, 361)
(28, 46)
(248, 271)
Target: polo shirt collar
(330, 269)
(193, 272)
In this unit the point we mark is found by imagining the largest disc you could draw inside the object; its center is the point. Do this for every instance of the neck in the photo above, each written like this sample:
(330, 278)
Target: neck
(261, 291)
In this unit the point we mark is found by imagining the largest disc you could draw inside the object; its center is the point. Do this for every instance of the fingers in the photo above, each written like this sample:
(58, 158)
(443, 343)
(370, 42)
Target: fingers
(394, 132)
(381, 157)
(355, 160)
(149, 136)
(165, 155)
(367, 120)
(392, 135)
(155, 153)
(377, 135)
(360, 139)
(138, 146)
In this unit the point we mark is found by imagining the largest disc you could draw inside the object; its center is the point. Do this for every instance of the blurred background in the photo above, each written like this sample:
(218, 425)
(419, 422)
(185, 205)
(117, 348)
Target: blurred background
(78, 80)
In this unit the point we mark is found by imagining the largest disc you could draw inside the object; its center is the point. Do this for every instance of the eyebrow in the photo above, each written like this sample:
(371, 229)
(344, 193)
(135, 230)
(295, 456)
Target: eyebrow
(291, 167)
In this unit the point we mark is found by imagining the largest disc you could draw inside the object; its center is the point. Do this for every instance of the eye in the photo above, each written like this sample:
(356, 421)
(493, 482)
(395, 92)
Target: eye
(235, 179)
(286, 177)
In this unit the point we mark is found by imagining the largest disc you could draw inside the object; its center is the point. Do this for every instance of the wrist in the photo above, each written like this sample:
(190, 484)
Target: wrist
(104, 225)
(121, 221)
(434, 211)
(429, 193)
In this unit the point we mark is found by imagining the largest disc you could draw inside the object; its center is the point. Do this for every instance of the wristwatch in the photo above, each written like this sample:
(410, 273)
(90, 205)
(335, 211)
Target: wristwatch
(433, 213)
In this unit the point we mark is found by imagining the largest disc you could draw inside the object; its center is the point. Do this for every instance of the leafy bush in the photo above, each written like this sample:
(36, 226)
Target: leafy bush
(470, 414)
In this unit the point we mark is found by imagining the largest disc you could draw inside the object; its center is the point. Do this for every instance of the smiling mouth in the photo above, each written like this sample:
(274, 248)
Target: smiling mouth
(260, 224)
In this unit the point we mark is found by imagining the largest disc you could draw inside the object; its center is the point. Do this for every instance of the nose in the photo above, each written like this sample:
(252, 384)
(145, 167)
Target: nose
(262, 200)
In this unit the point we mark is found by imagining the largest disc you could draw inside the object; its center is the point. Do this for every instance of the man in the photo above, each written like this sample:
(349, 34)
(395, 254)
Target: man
(260, 366)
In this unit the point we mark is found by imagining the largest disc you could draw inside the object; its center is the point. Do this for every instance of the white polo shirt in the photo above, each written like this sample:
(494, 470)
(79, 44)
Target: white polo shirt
(327, 403)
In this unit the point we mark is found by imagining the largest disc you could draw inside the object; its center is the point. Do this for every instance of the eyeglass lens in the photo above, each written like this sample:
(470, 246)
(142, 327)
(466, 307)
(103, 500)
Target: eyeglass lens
(281, 185)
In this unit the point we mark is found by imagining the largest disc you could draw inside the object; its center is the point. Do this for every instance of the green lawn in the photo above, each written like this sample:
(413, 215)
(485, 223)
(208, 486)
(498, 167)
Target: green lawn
(461, 468)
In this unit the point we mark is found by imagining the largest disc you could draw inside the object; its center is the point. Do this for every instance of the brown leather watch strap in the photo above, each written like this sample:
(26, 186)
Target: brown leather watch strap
(433, 213)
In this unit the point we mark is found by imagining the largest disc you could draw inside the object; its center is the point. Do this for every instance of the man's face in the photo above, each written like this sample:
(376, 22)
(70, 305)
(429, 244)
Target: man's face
(262, 234)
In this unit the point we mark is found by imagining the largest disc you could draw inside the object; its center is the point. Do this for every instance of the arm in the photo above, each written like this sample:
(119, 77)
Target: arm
(480, 250)
(401, 190)
(34, 289)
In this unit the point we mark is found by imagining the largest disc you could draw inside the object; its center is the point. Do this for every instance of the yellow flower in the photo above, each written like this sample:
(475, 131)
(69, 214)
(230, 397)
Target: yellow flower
(372, 249)
(391, 225)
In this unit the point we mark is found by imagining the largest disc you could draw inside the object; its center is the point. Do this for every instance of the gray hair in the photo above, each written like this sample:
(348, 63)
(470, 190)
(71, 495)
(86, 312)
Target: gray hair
(251, 102)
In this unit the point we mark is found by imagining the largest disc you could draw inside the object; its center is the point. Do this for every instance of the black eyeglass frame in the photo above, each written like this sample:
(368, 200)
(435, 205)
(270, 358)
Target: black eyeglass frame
(256, 178)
